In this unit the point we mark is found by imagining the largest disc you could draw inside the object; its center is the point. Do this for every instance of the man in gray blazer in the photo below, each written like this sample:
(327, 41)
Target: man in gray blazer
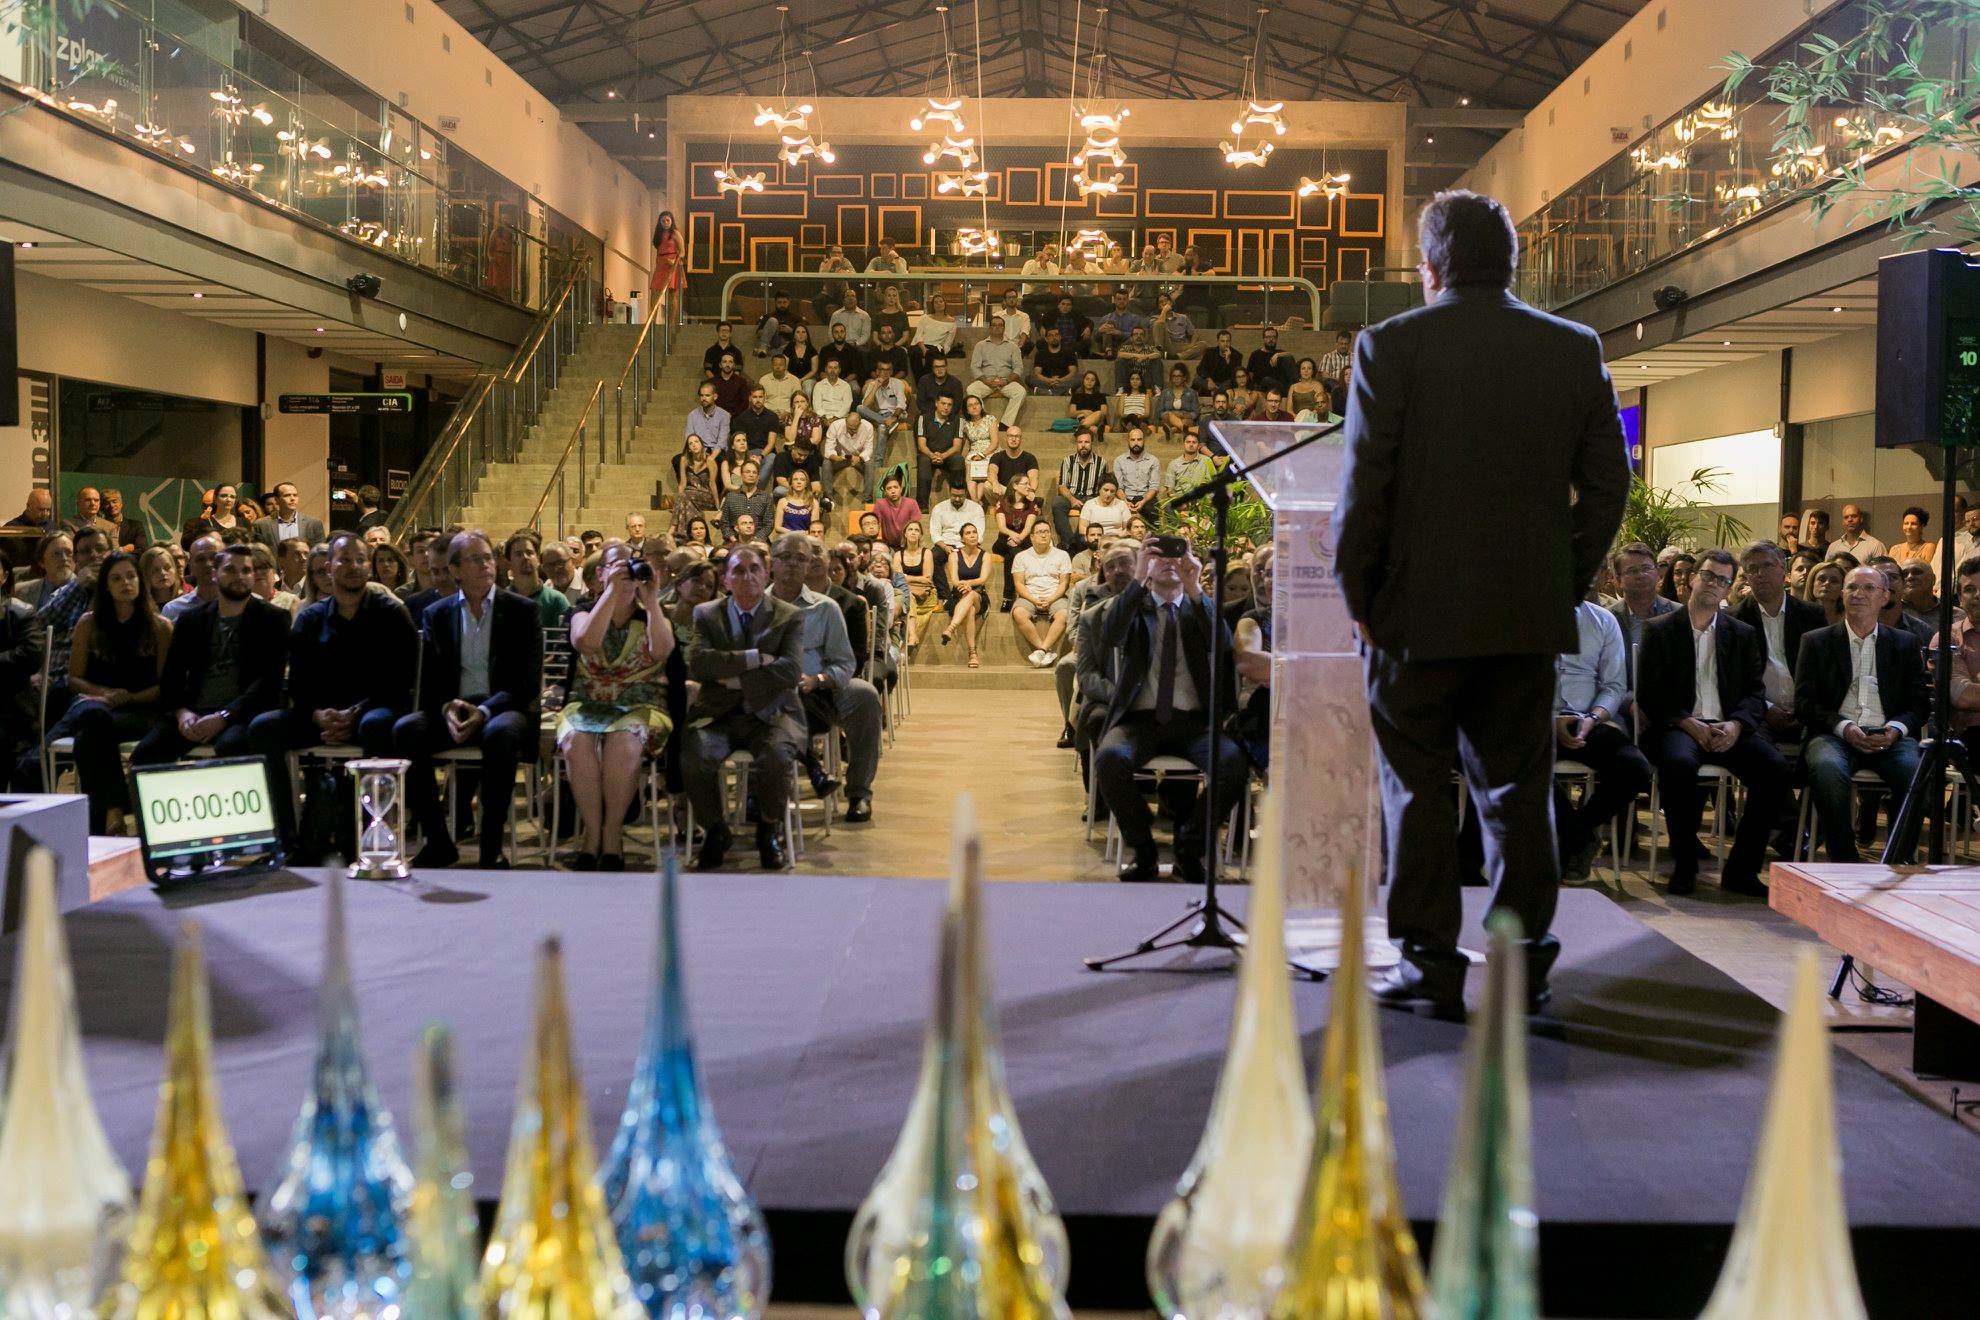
(287, 521)
(1460, 659)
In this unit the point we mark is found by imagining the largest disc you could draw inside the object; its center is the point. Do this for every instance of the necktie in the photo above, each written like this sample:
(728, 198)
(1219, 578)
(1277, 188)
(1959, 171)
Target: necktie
(1165, 666)
(742, 624)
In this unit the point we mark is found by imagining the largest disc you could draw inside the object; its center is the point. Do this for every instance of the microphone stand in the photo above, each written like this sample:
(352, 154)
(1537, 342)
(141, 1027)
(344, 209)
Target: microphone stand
(1205, 923)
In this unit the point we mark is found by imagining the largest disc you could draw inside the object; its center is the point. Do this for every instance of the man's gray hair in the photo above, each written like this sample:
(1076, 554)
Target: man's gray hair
(1767, 548)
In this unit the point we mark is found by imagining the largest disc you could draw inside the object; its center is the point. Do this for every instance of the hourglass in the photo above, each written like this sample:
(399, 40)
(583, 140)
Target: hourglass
(381, 818)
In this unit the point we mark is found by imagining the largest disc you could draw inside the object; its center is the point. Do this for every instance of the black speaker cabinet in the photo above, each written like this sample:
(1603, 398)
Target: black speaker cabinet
(1928, 349)
(10, 356)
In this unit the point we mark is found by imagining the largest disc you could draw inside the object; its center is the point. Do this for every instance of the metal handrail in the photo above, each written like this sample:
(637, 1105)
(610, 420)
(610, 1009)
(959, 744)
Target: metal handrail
(967, 277)
(556, 327)
(576, 441)
(658, 311)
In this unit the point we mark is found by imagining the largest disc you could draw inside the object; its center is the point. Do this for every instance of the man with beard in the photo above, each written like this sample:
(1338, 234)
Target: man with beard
(223, 668)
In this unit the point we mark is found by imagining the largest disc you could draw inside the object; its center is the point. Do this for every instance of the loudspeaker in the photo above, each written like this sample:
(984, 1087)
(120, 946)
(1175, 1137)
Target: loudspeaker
(1928, 349)
(10, 355)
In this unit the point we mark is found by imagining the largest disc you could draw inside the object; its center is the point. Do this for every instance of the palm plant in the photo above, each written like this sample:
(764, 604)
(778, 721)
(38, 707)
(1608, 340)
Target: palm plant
(1672, 516)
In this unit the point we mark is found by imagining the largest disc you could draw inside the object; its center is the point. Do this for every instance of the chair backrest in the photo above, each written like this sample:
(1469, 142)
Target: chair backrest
(557, 664)
(47, 665)
(419, 666)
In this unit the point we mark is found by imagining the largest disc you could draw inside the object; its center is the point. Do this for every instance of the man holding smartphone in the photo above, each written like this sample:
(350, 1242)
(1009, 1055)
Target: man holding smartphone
(1860, 692)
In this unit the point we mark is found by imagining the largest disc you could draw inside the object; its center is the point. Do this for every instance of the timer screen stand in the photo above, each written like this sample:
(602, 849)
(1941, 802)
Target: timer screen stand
(199, 819)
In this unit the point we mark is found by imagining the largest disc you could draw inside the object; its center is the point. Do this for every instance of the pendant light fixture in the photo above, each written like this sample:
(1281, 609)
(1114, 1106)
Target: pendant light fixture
(1097, 164)
(957, 145)
(1255, 111)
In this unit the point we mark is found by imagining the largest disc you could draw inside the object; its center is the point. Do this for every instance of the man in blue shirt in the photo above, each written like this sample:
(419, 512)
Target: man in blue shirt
(1591, 689)
(709, 421)
(1117, 326)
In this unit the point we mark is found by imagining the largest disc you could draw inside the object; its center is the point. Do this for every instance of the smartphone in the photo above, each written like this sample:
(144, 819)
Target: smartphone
(1171, 547)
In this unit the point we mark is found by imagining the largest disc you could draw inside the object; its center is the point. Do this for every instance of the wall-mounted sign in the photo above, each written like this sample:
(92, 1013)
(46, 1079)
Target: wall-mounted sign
(450, 123)
(396, 481)
(395, 402)
(392, 380)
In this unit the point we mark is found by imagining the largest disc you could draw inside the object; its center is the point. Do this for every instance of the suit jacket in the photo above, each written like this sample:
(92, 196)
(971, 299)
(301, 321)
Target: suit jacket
(515, 655)
(1127, 633)
(1667, 681)
(1434, 441)
(1821, 681)
(715, 653)
(263, 649)
(858, 612)
(264, 530)
(1798, 619)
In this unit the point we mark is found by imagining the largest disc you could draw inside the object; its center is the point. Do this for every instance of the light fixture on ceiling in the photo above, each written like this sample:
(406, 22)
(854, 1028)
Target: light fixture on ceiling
(799, 139)
(611, 93)
(1255, 111)
(197, 294)
(1464, 100)
(727, 180)
(1101, 125)
(1331, 185)
(978, 242)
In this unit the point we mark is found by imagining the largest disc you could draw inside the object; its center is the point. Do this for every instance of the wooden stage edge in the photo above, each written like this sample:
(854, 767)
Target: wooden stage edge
(114, 866)
(1921, 924)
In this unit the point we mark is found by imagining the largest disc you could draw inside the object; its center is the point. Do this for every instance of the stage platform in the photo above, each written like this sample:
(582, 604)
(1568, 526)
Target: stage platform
(1650, 1072)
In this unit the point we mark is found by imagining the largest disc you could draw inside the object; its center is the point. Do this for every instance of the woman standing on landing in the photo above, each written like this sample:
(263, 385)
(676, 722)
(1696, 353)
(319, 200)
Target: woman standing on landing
(669, 265)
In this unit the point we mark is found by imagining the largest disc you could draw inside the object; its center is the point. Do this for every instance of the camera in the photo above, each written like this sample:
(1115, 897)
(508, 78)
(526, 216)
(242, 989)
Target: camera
(640, 571)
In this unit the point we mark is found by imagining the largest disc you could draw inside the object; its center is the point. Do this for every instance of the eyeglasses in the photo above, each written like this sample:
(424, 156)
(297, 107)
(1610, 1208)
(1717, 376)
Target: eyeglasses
(1723, 579)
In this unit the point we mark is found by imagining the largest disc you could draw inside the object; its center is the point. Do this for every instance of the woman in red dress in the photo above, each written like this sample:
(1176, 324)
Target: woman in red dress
(669, 265)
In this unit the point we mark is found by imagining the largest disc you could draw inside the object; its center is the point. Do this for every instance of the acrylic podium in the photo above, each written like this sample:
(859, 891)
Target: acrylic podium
(1323, 759)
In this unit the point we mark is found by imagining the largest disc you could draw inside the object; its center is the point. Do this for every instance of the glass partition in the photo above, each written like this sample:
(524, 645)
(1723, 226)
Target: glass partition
(179, 82)
(1710, 169)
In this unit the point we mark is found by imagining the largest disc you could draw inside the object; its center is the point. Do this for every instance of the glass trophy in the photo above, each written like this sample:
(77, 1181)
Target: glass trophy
(381, 818)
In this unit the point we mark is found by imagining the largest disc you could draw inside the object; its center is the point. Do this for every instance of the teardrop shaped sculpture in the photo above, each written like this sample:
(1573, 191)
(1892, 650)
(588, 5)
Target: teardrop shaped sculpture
(1219, 1248)
(1352, 1255)
(694, 1244)
(960, 1226)
(1790, 1253)
(1486, 1260)
(441, 1224)
(553, 1253)
(333, 1219)
(65, 1199)
(194, 1252)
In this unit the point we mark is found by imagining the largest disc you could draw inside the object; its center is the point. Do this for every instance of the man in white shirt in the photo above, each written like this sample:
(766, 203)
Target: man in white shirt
(1782, 621)
(287, 521)
(1041, 573)
(832, 396)
(888, 262)
(1966, 542)
(849, 445)
(885, 404)
(945, 524)
(998, 369)
(1856, 539)
(1017, 321)
(1860, 691)
(778, 385)
(859, 326)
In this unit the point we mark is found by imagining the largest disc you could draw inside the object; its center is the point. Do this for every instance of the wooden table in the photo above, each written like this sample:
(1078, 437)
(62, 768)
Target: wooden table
(1919, 923)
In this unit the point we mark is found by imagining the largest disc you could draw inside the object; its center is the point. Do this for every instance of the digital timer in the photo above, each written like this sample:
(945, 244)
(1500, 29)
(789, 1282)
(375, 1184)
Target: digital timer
(197, 815)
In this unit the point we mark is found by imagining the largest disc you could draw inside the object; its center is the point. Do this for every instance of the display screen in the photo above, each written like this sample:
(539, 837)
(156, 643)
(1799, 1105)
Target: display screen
(1962, 392)
(198, 807)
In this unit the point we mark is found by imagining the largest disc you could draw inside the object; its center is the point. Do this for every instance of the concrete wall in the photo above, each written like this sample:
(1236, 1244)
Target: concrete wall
(1661, 61)
(441, 70)
(297, 448)
(1740, 396)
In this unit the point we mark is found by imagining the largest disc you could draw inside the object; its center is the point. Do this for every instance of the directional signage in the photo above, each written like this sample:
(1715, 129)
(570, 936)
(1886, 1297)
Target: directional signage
(378, 401)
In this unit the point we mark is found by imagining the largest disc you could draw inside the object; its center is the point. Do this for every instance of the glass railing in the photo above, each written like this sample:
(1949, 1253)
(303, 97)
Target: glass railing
(1713, 168)
(383, 180)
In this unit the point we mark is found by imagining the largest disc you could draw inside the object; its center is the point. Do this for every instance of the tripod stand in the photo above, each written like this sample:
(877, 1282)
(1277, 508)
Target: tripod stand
(1205, 923)
(1939, 754)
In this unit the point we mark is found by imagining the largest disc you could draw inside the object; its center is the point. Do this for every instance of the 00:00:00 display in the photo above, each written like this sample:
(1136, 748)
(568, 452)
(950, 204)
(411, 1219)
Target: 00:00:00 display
(206, 806)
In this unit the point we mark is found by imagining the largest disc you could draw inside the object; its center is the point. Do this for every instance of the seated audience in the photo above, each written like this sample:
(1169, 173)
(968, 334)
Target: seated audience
(724, 346)
(61, 610)
(887, 348)
(54, 561)
(894, 512)
(388, 569)
(1016, 514)
(1856, 539)
(1138, 473)
(1921, 599)
(1189, 469)
(773, 327)
(916, 563)
(1914, 548)
(522, 555)
(1592, 686)
(885, 405)
(1137, 360)
(1017, 321)
(480, 682)
(1860, 691)
(936, 382)
(844, 352)
(980, 433)
(37, 512)
(833, 695)
(1823, 589)
(115, 661)
(1894, 614)
(731, 388)
(1781, 621)
(439, 579)
(616, 717)
(779, 386)
(1800, 564)
(708, 421)
(160, 574)
(750, 499)
(746, 653)
(1965, 674)
(832, 394)
(758, 421)
(938, 443)
(1218, 368)
(1089, 406)
(89, 513)
(1040, 574)
(224, 668)
(1106, 514)
(1054, 367)
(351, 658)
(964, 573)
(1269, 364)
(998, 369)
(1075, 329)
(797, 511)
(850, 447)
(1137, 400)
(1081, 704)
(1178, 408)
(1080, 474)
(1967, 543)
(1008, 462)
(266, 583)
(1308, 393)
(1117, 326)
(1700, 683)
(130, 533)
(934, 340)
(831, 293)
(1159, 632)
(1251, 651)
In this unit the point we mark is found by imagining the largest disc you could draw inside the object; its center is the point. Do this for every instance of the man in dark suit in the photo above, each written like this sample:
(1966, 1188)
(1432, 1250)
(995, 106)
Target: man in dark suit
(1701, 689)
(1860, 692)
(747, 652)
(287, 521)
(1461, 653)
(1782, 621)
(1159, 631)
(481, 678)
(223, 668)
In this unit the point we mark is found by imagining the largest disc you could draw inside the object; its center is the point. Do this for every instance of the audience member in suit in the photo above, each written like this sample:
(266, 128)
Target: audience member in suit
(288, 521)
(223, 668)
(1590, 694)
(1860, 692)
(1701, 686)
(1782, 621)
(1159, 632)
(746, 650)
(1636, 574)
(351, 659)
(480, 681)
(1461, 661)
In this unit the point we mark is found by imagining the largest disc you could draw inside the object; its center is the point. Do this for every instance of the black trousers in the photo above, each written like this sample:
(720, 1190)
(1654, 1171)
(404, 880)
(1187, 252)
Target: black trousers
(163, 743)
(1753, 760)
(99, 731)
(1139, 739)
(503, 741)
(279, 732)
(1491, 717)
(1621, 772)
(954, 470)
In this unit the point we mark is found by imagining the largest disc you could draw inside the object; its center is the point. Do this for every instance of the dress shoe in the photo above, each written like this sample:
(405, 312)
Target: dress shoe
(496, 864)
(769, 847)
(1541, 955)
(714, 849)
(1142, 869)
(1066, 737)
(1684, 877)
(859, 811)
(585, 861)
(1578, 858)
(437, 853)
(612, 862)
(1408, 984)
(824, 785)
(1188, 869)
(1743, 882)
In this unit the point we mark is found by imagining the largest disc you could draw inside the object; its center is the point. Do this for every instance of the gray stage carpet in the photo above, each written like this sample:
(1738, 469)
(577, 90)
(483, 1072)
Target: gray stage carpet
(809, 995)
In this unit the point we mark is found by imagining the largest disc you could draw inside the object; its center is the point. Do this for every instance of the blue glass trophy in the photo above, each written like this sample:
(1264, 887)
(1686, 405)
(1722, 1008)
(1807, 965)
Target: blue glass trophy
(334, 1219)
(695, 1244)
